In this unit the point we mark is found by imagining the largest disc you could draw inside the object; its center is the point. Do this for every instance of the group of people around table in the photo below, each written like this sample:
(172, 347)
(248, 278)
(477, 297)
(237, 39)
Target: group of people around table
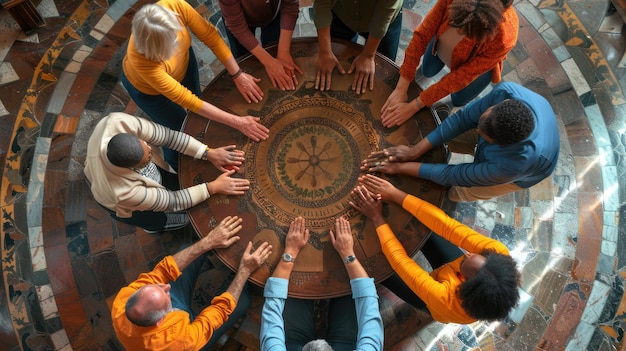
(131, 166)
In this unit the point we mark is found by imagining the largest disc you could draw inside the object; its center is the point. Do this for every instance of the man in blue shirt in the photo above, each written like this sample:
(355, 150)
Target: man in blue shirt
(345, 320)
(512, 133)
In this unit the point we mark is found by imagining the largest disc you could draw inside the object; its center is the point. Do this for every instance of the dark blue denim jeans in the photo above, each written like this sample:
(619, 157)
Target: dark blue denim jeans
(300, 323)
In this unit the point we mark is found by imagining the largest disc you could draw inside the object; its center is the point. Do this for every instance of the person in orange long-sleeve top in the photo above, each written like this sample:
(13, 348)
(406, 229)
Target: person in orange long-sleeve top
(471, 37)
(154, 312)
(481, 284)
(160, 71)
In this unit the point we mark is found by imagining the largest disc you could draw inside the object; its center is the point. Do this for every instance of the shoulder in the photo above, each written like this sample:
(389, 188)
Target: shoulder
(181, 7)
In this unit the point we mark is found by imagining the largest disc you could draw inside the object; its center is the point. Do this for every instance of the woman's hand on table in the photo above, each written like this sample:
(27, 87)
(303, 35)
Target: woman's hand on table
(227, 185)
(248, 87)
(398, 95)
(282, 73)
(398, 113)
(289, 65)
(251, 127)
(226, 158)
(366, 202)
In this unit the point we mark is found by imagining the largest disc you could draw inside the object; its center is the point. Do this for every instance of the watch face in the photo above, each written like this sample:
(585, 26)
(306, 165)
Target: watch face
(350, 259)
(287, 257)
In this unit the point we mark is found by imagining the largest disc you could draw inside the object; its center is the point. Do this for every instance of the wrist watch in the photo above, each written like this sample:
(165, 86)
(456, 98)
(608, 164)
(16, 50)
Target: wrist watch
(287, 257)
(349, 259)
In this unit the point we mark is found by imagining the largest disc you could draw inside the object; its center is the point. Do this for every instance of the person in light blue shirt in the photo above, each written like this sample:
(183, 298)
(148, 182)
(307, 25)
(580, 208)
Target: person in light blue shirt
(351, 326)
(512, 133)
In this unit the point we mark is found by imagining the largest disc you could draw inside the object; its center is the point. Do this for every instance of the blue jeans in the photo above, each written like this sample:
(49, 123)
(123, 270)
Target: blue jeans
(269, 34)
(432, 64)
(163, 110)
(181, 294)
(388, 45)
(300, 323)
(438, 252)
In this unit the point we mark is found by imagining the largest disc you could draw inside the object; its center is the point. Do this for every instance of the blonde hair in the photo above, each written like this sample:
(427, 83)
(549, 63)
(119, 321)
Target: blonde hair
(154, 30)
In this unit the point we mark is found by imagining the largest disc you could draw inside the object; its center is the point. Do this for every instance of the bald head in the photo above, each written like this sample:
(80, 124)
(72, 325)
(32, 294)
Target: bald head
(149, 305)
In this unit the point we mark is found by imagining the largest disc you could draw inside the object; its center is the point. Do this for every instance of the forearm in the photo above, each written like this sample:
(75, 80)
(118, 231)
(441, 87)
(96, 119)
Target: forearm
(231, 66)
(262, 55)
(323, 39)
(403, 84)
(183, 258)
(283, 269)
(164, 200)
(409, 168)
(418, 150)
(236, 286)
(213, 113)
(371, 45)
(284, 43)
(158, 135)
(355, 270)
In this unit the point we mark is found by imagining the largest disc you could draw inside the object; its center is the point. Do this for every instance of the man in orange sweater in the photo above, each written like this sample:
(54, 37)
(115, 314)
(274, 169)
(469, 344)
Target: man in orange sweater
(154, 312)
(481, 284)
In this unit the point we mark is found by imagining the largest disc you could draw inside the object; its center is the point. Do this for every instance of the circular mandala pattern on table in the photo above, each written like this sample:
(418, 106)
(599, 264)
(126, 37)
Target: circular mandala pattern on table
(308, 167)
(313, 161)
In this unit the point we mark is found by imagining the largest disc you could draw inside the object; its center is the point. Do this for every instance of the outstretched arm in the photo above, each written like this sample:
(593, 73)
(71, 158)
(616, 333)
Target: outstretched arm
(248, 125)
(275, 293)
(223, 235)
(250, 261)
(370, 324)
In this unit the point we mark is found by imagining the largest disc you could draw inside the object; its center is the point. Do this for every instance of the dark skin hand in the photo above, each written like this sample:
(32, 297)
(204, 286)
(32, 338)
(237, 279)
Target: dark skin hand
(400, 153)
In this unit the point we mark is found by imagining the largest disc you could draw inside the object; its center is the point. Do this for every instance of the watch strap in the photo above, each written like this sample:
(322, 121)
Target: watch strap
(349, 259)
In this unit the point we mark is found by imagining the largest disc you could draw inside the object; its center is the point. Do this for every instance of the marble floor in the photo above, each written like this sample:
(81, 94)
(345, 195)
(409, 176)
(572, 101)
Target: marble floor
(63, 258)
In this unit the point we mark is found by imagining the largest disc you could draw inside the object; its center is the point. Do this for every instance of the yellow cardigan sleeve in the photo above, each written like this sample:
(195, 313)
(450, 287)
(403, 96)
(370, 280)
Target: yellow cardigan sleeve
(414, 276)
(450, 229)
(203, 29)
(439, 295)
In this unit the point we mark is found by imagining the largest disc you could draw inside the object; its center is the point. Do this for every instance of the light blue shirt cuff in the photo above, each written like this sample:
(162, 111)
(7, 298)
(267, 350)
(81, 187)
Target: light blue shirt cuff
(363, 287)
(276, 288)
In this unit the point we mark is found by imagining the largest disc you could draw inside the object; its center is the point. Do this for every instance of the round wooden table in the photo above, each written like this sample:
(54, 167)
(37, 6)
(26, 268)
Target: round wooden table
(308, 167)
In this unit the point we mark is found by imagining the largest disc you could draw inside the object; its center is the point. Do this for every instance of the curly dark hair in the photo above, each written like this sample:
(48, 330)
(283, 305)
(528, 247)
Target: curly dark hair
(508, 123)
(492, 293)
(124, 150)
(478, 19)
